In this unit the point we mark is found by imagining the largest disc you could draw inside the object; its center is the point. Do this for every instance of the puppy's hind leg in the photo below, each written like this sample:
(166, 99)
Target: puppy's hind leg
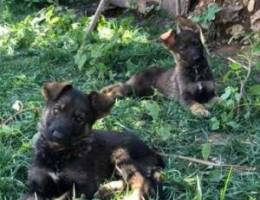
(131, 174)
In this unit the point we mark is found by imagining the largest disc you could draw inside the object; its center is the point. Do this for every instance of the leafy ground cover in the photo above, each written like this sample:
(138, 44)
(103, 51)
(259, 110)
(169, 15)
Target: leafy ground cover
(39, 45)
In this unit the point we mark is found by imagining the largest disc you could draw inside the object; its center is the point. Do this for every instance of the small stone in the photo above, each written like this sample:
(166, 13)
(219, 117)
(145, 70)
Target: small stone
(251, 5)
(17, 105)
(235, 30)
(255, 21)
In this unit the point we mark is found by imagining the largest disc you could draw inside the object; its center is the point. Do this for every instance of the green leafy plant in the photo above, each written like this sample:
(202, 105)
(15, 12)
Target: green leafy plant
(206, 150)
(207, 16)
(238, 99)
(152, 109)
(198, 189)
(224, 189)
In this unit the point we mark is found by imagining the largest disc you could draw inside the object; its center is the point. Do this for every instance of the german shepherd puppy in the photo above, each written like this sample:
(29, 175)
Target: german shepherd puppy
(190, 81)
(72, 159)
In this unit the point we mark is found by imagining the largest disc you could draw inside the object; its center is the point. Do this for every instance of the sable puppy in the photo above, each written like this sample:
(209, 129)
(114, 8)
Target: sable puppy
(70, 156)
(190, 81)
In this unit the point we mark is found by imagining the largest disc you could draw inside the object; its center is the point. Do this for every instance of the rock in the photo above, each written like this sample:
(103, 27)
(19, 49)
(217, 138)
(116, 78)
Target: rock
(255, 21)
(235, 30)
(229, 13)
(245, 2)
(143, 5)
(251, 5)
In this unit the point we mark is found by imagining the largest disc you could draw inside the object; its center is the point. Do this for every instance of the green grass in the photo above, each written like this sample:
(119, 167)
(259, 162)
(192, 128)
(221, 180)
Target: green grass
(41, 46)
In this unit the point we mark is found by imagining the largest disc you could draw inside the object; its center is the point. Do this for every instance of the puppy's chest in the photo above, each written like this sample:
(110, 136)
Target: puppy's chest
(197, 81)
(68, 170)
(57, 161)
(199, 86)
(86, 164)
(201, 91)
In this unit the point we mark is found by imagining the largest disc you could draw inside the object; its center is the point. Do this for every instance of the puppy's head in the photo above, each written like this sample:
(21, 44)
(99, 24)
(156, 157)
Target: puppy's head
(69, 114)
(185, 41)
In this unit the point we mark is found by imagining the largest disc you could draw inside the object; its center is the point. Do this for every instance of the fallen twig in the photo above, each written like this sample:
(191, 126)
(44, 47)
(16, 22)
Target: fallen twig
(208, 163)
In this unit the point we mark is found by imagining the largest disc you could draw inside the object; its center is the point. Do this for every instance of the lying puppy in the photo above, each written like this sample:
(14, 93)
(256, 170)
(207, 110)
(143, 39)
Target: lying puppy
(190, 81)
(70, 157)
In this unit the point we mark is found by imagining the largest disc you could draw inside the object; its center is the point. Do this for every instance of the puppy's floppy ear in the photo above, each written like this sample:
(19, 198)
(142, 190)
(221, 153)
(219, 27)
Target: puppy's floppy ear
(101, 103)
(168, 38)
(53, 90)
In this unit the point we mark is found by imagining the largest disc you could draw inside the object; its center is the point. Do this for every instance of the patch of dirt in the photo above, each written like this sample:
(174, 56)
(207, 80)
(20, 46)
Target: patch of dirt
(227, 50)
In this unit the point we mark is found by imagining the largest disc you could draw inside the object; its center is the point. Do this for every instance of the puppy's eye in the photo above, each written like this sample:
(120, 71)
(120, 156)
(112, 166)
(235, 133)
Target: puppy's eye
(182, 47)
(56, 110)
(79, 118)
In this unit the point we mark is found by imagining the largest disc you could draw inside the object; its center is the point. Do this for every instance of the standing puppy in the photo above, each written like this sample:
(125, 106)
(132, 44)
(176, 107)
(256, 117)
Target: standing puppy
(190, 81)
(70, 157)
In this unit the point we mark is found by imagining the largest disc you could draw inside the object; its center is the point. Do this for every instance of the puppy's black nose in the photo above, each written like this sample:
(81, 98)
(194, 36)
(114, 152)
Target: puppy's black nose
(197, 57)
(57, 135)
(196, 54)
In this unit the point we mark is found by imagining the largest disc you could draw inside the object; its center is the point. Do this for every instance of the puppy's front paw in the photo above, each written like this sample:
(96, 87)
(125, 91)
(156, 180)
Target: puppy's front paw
(199, 110)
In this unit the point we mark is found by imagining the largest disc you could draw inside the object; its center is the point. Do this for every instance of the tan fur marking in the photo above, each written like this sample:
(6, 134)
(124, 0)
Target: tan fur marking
(110, 187)
(54, 176)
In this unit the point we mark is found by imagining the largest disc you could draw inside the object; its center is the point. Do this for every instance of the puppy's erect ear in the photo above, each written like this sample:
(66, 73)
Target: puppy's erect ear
(101, 103)
(52, 91)
(187, 24)
(168, 38)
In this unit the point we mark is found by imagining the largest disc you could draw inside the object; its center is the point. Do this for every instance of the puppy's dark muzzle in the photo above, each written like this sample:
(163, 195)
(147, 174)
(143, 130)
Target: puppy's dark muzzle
(197, 58)
(57, 135)
(61, 135)
(196, 55)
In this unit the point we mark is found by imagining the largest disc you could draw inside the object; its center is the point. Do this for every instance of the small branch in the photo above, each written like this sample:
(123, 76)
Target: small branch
(242, 89)
(242, 82)
(94, 21)
(234, 61)
(178, 7)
